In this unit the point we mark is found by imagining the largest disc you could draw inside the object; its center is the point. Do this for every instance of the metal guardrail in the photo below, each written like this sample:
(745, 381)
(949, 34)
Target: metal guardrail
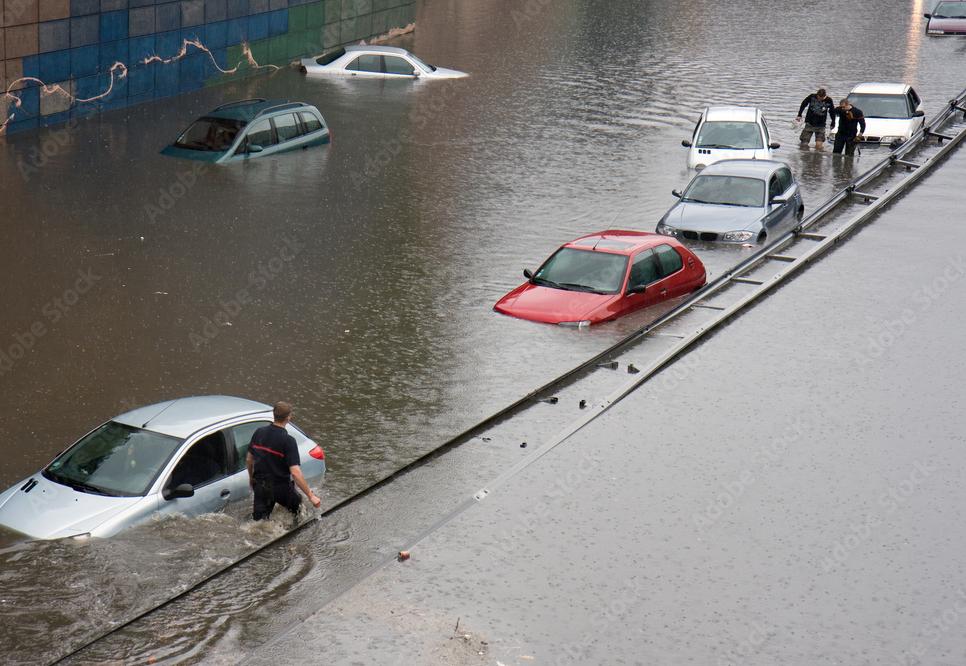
(815, 244)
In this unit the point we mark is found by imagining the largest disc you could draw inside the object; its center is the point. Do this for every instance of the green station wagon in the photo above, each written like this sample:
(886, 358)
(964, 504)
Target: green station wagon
(251, 128)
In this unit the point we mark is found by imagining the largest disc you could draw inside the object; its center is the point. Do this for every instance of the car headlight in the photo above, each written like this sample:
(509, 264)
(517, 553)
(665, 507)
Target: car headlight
(665, 229)
(737, 236)
(935, 32)
(576, 324)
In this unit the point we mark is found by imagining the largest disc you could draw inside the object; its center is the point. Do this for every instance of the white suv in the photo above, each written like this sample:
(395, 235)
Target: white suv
(893, 111)
(728, 133)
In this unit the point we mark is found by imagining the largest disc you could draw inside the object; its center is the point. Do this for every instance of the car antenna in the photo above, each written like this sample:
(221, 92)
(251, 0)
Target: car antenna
(145, 425)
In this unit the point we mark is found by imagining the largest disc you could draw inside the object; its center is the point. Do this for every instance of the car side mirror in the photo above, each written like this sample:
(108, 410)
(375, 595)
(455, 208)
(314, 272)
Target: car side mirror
(676, 193)
(774, 146)
(416, 73)
(527, 273)
(636, 289)
(686, 143)
(179, 491)
(778, 201)
(254, 148)
(919, 113)
(927, 15)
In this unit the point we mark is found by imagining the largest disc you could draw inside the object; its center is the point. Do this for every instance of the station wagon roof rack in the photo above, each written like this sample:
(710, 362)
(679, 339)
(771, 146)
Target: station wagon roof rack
(239, 102)
(279, 107)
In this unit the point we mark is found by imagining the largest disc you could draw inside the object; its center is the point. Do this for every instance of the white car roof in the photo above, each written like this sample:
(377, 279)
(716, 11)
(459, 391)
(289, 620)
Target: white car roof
(184, 416)
(881, 88)
(370, 48)
(748, 114)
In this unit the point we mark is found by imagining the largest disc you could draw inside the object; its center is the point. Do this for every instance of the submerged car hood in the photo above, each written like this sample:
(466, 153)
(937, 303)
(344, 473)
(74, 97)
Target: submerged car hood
(891, 126)
(185, 153)
(50, 510)
(552, 306)
(444, 73)
(957, 25)
(709, 217)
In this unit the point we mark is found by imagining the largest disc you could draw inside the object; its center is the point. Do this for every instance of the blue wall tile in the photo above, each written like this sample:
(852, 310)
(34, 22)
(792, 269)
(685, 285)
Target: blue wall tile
(165, 81)
(237, 30)
(192, 68)
(31, 67)
(216, 34)
(140, 80)
(54, 119)
(168, 17)
(84, 110)
(54, 66)
(141, 21)
(196, 34)
(53, 35)
(258, 26)
(88, 87)
(112, 52)
(112, 5)
(84, 7)
(140, 48)
(84, 30)
(278, 22)
(84, 61)
(21, 125)
(29, 103)
(167, 44)
(114, 25)
(118, 96)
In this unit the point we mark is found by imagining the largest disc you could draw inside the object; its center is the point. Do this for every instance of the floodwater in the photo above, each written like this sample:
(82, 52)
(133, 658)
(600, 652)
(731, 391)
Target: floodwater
(420, 215)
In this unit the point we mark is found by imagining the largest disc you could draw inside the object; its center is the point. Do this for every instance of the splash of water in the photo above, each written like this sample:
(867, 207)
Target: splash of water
(119, 71)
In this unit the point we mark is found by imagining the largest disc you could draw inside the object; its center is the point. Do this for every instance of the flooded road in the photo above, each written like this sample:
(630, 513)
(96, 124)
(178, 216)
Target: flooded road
(418, 217)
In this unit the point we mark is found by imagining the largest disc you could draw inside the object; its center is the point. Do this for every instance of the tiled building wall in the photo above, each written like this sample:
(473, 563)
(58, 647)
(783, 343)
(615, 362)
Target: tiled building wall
(77, 44)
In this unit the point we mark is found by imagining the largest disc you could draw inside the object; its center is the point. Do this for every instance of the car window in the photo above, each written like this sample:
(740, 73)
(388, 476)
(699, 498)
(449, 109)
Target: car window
(950, 10)
(206, 461)
(729, 134)
(242, 434)
(644, 270)
(668, 259)
(583, 270)
(764, 126)
(261, 134)
(310, 122)
(366, 63)
(210, 134)
(286, 126)
(774, 188)
(726, 191)
(396, 65)
(881, 106)
(694, 134)
(784, 178)
(914, 99)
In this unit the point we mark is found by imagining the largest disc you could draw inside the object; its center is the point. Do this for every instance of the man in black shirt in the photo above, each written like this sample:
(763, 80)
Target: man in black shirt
(820, 107)
(273, 467)
(851, 127)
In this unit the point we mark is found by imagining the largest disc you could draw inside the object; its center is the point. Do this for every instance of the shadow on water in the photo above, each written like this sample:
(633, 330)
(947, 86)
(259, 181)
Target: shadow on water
(408, 227)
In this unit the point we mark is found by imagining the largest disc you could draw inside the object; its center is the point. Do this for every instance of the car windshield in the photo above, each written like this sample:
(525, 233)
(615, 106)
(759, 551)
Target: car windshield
(950, 10)
(583, 270)
(211, 134)
(729, 134)
(330, 57)
(726, 191)
(115, 460)
(425, 66)
(881, 106)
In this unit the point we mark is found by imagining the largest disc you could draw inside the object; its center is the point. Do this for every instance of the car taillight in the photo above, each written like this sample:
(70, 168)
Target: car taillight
(317, 453)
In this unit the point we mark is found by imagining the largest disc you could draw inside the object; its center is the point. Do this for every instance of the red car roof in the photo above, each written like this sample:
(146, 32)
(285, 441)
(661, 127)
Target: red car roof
(620, 241)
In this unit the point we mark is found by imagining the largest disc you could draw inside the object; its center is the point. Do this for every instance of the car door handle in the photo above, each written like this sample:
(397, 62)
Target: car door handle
(664, 292)
(225, 493)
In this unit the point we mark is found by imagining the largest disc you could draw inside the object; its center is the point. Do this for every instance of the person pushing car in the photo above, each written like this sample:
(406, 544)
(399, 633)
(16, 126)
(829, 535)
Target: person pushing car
(851, 127)
(820, 107)
(274, 467)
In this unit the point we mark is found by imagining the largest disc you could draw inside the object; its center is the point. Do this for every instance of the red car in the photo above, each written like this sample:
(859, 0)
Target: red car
(603, 276)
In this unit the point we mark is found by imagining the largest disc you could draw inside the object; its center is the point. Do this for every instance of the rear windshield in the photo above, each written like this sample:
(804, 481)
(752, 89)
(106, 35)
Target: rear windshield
(210, 134)
(332, 56)
(950, 10)
(881, 106)
(726, 191)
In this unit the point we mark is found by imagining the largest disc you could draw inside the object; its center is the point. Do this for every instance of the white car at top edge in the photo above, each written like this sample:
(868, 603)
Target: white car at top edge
(729, 133)
(387, 62)
(893, 111)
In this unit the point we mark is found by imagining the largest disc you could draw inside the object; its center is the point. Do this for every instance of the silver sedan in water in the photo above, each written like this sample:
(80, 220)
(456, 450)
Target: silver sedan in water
(387, 62)
(736, 201)
(184, 456)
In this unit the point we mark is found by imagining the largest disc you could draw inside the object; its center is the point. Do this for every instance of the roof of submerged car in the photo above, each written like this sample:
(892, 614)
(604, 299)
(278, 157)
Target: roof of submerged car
(880, 88)
(184, 416)
(618, 241)
(247, 109)
(380, 49)
(745, 168)
(748, 114)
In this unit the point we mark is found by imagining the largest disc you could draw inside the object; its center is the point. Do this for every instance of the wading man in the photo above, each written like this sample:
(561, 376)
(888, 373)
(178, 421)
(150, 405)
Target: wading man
(273, 467)
(820, 108)
(851, 127)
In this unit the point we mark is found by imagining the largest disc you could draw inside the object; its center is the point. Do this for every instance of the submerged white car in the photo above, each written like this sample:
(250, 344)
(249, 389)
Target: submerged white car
(893, 111)
(375, 61)
(728, 133)
(184, 456)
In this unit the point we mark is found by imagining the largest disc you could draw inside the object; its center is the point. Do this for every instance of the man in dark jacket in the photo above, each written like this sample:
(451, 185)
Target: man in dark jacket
(820, 107)
(274, 467)
(851, 127)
